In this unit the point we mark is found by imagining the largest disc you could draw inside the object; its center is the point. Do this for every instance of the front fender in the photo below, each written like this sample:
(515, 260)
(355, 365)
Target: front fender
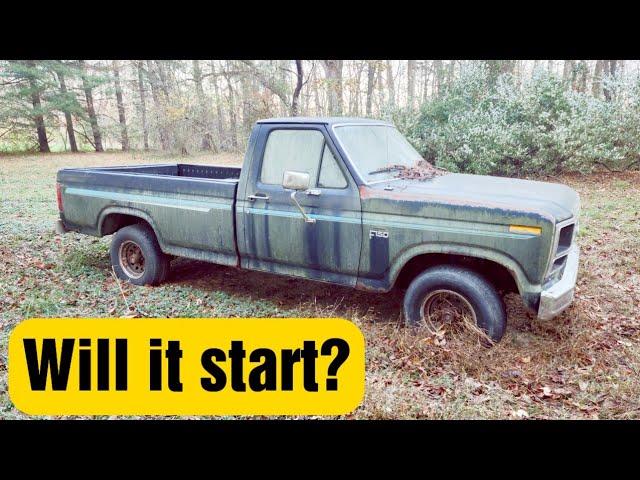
(391, 275)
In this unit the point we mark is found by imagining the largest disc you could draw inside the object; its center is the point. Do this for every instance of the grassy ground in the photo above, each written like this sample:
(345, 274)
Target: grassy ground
(583, 364)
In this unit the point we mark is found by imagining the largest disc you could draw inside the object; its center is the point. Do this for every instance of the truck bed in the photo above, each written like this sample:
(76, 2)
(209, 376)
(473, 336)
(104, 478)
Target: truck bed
(177, 170)
(190, 207)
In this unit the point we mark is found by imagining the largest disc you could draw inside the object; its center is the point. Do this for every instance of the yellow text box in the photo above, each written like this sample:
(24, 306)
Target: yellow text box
(186, 366)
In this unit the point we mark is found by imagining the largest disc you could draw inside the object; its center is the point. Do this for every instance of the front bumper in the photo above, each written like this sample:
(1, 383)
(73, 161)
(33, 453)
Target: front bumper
(560, 295)
(60, 228)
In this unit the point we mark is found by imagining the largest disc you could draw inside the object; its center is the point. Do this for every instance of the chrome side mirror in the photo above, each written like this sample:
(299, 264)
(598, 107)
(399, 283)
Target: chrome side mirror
(297, 181)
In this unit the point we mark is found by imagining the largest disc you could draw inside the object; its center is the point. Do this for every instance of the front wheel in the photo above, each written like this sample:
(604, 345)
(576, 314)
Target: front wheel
(136, 256)
(450, 294)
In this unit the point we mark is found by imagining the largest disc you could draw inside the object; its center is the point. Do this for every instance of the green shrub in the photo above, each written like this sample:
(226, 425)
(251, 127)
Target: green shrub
(539, 127)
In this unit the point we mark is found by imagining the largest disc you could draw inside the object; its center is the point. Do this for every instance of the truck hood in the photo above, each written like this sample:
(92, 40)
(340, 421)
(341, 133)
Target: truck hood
(547, 199)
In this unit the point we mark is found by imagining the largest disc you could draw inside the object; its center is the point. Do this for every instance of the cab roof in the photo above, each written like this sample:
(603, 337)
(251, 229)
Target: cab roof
(325, 120)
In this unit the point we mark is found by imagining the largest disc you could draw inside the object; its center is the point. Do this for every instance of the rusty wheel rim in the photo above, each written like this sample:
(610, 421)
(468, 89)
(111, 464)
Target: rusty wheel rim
(447, 307)
(131, 259)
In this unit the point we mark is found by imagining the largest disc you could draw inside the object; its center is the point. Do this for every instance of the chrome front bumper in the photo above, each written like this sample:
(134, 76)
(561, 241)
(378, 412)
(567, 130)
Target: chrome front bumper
(560, 295)
(60, 228)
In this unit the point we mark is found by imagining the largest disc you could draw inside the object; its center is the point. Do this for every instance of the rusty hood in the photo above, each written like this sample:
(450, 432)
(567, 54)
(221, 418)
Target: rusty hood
(553, 201)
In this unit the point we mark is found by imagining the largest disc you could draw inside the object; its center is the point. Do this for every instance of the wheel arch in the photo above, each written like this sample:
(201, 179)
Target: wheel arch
(112, 219)
(508, 274)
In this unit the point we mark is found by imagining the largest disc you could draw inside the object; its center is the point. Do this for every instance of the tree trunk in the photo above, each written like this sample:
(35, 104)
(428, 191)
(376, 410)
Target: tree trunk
(93, 119)
(155, 95)
(232, 115)
(596, 85)
(295, 100)
(203, 109)
(67, 114)
(371, 84)
(451, 71)
(143, 107)
(612, 71)
(581, 77)
(216, 92)
(567, 71)
(247, 107)
(357, 93)
(333, 70)
(316, 92)
(609, 73)
(380, 84)
(426, 71)
(38, 118)
(391, 85)
(411, 83)
(162, 74)
(124, 135)
(437, 77)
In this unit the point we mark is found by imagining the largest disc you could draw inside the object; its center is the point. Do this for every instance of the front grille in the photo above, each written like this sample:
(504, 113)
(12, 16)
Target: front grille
(560, 249)
(565, 239)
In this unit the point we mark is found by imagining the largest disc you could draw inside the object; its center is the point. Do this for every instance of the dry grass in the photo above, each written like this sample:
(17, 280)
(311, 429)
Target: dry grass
(583, 364)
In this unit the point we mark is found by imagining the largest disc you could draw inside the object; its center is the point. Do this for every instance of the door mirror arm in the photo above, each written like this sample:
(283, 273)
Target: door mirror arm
(298, 181)
(306, 217)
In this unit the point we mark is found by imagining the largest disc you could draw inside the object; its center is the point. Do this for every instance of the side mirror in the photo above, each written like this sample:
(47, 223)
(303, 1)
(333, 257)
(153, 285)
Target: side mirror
(295, 180)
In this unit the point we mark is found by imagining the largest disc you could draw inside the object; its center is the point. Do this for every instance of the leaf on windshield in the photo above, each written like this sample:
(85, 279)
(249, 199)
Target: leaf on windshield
(422, 170)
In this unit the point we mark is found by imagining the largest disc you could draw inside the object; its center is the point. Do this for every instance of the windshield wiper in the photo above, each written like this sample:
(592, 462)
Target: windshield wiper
(390, 168)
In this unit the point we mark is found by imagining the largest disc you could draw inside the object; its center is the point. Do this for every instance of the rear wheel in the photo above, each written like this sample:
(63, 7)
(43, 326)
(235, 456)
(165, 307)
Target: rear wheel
(136, 256)
(450, 295)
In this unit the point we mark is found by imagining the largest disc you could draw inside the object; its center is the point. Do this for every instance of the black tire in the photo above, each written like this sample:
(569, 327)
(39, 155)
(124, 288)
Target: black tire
(487, 304)
(154, 266)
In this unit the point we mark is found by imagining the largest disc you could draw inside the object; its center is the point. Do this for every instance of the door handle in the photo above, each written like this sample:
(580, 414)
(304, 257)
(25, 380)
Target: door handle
(253, 198)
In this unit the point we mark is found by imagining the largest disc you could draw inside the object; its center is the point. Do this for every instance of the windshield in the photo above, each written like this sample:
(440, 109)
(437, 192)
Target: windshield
(377, 151)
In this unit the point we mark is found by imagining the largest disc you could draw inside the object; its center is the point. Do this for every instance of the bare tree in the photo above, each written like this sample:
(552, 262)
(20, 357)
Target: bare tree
(270, 81)
(38, 117)
(232, 113)
(437, 77)
(124, 135)
(93, 119)
(216, 92)
(157, 102)
(203, 108)
(295, 100)
(371, 84)
(568, 70)
(67, 114)
(426, 72)
(596, 85)
(333, 70)
(411, 83)
(391, 85)
(610, 71)
(143, 106)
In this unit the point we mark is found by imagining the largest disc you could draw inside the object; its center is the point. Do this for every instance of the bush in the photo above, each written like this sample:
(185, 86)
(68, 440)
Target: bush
(539, 127)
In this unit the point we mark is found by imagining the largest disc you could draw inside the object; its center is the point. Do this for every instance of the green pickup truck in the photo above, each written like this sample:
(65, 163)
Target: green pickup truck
(325, 199)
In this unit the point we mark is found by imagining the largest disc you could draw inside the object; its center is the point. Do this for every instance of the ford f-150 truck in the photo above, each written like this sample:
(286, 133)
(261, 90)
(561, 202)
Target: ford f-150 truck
(322, 199)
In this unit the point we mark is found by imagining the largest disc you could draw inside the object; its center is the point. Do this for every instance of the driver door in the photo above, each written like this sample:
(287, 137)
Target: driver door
(276, 236)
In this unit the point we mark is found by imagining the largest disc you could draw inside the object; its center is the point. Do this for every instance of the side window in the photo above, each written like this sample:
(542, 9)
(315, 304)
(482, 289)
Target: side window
(330, 174)
(297, 150)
